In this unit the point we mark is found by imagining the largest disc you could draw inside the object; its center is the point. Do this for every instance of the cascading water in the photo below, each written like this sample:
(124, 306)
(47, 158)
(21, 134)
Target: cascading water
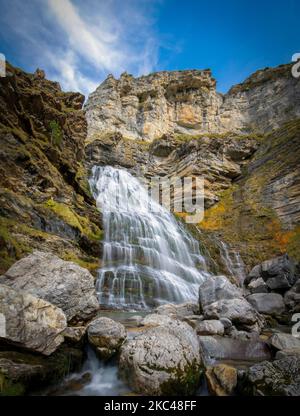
(148, 257)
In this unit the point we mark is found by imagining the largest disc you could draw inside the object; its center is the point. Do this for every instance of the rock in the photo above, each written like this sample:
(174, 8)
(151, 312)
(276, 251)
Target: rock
(193, 320)
(163, 360)
(258, 286)
(106, 336)
(242, 335)
(254, 274)
(24, 373)
(74, 334)
(220, 348)
(278, 273)
(292, 298)
(287, 353)
(135, 320)
(277, 378)
(238, 311)
(211, 327)
(182, 310)
(221, 379)
(215, 289)
(226, 323)
(64, 284)
(282, 341)
(267, 303)
(156, 320)
(30, 322)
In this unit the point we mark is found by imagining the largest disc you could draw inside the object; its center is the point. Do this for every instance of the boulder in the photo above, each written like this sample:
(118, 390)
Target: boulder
(163, 360)
(62, 283)
(74, 334)
(287, 353)
(282, 341)
(258, 286)
(217, 288)
(221, 379)
(155, 319)
(267, 303)
(29, 322)
(276, 378)
(106, 336)
(212, 327)
(181, 311)
(221, 348)
(292, 298)
(237, 310)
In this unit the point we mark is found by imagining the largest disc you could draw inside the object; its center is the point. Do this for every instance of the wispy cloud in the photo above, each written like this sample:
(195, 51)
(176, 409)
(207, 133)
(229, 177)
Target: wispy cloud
(79, 43)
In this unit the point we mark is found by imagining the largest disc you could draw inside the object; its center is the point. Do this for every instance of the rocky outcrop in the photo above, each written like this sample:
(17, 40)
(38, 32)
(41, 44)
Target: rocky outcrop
(44, 193)
(186, 102)
(163, 360)
(107, 336)
(64, 284)
(29, 322)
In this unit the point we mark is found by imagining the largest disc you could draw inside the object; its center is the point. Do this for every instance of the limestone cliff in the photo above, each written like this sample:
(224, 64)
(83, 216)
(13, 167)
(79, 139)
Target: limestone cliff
(44, 195)
(186, 102)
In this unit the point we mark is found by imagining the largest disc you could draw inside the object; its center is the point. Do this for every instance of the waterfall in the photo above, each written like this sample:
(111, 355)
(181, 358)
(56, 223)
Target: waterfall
(233, 263)
(148, 257)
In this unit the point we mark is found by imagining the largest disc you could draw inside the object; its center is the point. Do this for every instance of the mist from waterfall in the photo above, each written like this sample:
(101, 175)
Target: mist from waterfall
(148, 257)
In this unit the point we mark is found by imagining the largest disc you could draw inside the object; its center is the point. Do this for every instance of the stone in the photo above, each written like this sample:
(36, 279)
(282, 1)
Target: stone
(212, 327)
(267, 303)
(31, 323)
(62, 283)
(106, 336)
(226, 322)
(221, 379)
(278, 273)
(181, 310)
(156, 320)
(282, 341)
(277, 378)
(74, 334)
(221, 348)
(193, 320)
(287, 353)
(215, 289)
(237, 310)
(292, 298)
(163, 360)
(258, 286)
(254, 274)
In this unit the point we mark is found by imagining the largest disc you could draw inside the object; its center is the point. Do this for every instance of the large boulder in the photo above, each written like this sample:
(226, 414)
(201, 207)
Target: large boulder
(62, 283)
(277, 378)
(282, 341)
(163, 360)
(278, 273)
(219, 298)
(221, 348)
(106, 336)
(29, 322)
(267, 303)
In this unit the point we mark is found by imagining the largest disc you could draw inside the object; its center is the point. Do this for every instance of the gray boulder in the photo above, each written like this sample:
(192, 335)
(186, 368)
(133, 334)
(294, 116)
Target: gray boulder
(162, 360)
(180, 311)
(62, 283)
(267, 303)
(282, 341)
(212, 327)
(29, 322)
(217, 288)
(292, 298)
(277, 378)
(258, 286)
(106, 336)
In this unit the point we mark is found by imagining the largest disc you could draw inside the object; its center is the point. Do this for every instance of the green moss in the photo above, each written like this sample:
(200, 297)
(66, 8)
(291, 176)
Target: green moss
(56, 133)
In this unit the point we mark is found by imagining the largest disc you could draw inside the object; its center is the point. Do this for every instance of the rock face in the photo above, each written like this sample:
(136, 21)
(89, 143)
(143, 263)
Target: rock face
(106, 336)
(187, 102)
(45, 199)
(64, 284)
(162, 360)
(29, 322)
(278, 378)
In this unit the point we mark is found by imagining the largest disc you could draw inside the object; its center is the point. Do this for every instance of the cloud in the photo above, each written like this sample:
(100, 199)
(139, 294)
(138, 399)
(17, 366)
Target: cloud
(79, 43)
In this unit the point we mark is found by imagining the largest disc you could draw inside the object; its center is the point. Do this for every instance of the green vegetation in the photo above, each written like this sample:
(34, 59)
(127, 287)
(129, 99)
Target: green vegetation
(56, 133)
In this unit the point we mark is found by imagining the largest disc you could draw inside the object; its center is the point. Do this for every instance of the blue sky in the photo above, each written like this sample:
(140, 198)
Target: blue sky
(80, 42)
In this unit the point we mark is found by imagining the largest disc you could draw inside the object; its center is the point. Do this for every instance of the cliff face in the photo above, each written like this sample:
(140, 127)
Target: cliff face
(44, 194)
(186, 102)
(244, 144)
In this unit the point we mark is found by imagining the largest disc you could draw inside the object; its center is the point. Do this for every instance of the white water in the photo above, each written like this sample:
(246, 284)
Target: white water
(148, 257)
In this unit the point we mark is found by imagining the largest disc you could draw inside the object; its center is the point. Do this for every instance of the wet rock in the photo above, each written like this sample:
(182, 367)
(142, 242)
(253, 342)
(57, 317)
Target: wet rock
(23, 373)
(64, 284)
(221, 379)
(267, 303)
(277, 378)
(282, 341)
(216, 347)
(163, 360)
(29, 322)
(106, 336)
(212, 327)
